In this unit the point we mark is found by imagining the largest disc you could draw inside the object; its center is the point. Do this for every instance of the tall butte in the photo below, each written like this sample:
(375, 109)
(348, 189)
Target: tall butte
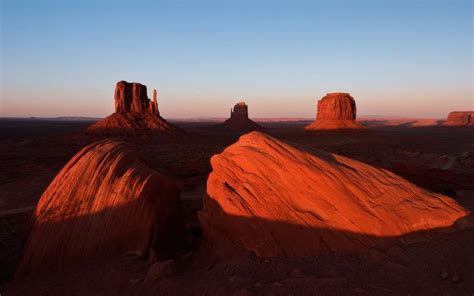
(460, 118)
(134, 111)
(335, 111)
(239, 119)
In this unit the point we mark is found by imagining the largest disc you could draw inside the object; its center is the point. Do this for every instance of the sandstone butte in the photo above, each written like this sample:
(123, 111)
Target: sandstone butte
(104, 202)
(134, 112)
(460, 118)
(239, 119)
(335, 111)
(273, 199)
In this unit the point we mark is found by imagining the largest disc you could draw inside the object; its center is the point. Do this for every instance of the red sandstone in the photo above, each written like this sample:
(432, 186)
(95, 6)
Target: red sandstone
(460, 118)
(273, 199)
(104, 201)
(134, 111)
(335, 111)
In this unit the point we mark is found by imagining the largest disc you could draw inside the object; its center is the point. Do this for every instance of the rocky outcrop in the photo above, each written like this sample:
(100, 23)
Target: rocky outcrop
(460, 118)
(241, 110)
(335, 111)
(134, 112)
(239, 119)
(273, 199)
(104, 201)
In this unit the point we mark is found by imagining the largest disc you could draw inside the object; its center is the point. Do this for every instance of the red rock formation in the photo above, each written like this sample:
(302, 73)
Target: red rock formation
(155, 103)
(460, 118)
(104, 201)
(335, 111)
(268, 197)
(239, 119)
(131, 97)
(241, 110)
(134, 111)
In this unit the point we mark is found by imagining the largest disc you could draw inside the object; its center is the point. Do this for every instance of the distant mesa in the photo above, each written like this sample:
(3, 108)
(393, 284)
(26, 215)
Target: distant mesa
(104, 202)
(239, 119)
(134, 112)
(460, 118)
(335, 111)
(273, 199)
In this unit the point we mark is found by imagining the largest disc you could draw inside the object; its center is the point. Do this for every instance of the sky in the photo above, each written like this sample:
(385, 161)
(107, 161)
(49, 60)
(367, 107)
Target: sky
(396, 58)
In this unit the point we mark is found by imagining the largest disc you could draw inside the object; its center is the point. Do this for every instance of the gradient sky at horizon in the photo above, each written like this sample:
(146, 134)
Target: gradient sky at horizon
(403, 58)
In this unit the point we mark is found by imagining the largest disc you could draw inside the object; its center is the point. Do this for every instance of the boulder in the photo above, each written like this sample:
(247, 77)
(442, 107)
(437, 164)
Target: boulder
(460, 118)
(134, 112)
(239, 119)
(335, 111)
(273, 199)
(104, 202)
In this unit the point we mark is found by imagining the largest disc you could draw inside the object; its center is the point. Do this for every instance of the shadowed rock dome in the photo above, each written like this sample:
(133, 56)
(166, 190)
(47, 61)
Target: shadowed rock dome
(134, 112)
(273, 199)
(104, 201)
(335, 111)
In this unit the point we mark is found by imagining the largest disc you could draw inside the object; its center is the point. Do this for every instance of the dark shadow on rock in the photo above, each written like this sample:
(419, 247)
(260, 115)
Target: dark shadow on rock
(111, 232)
(224, 234)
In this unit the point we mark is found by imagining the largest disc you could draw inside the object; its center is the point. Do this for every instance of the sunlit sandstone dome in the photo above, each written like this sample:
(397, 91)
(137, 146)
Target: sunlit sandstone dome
(271, 198)
(134, 111)
(335, 111)
(460, 118)
(104, 201)
(239, 119)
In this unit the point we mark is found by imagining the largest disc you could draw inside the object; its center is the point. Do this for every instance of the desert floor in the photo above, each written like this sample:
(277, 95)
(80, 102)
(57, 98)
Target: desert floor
(437, 158)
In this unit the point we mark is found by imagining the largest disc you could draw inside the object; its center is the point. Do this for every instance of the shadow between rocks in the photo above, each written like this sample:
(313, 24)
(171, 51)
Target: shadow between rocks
(114, 231)
(224, 234)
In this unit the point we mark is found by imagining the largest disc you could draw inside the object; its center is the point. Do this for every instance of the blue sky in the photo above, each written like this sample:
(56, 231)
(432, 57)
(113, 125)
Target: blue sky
(405, 58)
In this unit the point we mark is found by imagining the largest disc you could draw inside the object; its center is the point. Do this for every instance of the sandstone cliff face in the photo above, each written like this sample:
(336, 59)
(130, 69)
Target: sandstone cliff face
(273, 199)
(335, 111)
(104, 201)
(239, 119)
(460, 118)
(134, 112)
(132, 97)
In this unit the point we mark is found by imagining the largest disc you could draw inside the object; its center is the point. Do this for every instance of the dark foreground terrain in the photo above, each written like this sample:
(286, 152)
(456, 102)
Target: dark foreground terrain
(437, 158)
